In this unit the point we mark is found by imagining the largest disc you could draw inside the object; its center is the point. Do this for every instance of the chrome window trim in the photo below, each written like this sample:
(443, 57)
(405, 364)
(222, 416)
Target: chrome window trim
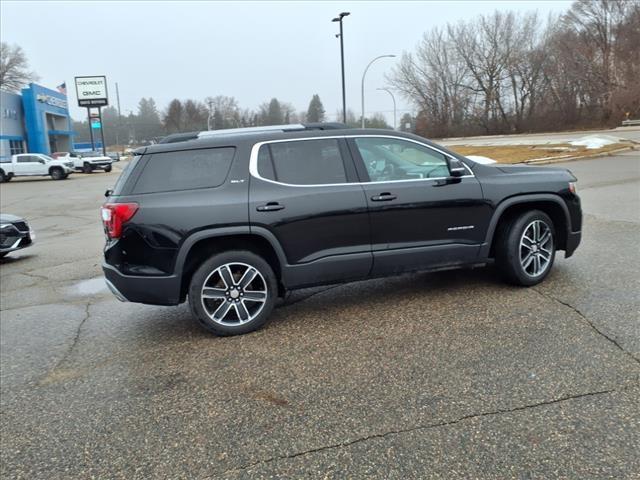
(253, 161)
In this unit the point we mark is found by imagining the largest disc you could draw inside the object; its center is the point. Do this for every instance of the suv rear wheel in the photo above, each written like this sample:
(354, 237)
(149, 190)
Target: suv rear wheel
(525, 249)
(233, 293)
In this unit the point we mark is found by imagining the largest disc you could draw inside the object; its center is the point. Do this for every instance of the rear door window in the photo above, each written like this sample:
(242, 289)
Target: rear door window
(185, 170)
(303, 162)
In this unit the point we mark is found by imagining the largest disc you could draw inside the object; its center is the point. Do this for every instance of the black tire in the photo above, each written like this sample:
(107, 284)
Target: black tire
(208, 273)
(57, 173)
(107, 168)
(511, 256)
(4, 177)
(86, 168)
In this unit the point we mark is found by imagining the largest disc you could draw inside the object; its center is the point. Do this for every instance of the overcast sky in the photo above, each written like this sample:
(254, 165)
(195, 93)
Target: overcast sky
(250, 50)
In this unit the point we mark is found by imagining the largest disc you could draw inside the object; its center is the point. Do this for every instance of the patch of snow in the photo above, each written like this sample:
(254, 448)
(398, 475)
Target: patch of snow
(481, 159)
(594, 141)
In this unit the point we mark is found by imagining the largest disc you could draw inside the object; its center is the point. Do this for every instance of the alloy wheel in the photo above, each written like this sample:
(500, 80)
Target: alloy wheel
(536, 248)
(234, 294)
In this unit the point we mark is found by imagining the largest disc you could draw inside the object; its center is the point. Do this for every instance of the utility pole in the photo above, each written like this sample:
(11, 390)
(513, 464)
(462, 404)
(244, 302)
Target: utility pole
(210, 103)
(341, 34)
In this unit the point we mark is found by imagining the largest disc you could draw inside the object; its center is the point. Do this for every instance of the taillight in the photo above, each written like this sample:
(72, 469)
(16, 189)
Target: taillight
(114, 215)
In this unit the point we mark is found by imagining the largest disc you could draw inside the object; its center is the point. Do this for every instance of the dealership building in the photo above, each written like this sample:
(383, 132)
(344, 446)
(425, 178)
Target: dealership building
(37, 121)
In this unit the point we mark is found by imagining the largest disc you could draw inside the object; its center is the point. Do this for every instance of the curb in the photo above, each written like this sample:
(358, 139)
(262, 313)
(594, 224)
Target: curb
(568, 159)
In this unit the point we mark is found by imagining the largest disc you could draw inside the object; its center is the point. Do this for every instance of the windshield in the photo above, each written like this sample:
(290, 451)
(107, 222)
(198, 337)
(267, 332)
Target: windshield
(47, 158)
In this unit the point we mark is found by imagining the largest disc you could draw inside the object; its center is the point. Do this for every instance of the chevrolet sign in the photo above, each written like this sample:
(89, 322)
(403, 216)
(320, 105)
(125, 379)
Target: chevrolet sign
(92, 91)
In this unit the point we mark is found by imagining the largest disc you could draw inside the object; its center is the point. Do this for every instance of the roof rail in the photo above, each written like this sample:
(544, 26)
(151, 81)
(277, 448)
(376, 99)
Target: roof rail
(294, 127)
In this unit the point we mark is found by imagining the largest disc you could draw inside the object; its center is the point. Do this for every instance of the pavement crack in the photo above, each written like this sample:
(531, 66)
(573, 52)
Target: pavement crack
(34, 275)
(76, 339)
(428, 426)
(588, 322)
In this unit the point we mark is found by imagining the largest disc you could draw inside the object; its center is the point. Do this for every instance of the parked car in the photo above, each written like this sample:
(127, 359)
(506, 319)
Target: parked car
(86, 162)
(233, 221)
(35, 164)
(114, 156)
(15, 234)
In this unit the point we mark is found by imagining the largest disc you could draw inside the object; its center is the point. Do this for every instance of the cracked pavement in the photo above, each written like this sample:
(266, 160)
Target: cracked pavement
(443, 375)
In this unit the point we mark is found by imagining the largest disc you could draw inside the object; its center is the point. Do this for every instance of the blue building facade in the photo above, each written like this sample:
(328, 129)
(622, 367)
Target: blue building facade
(37, 121)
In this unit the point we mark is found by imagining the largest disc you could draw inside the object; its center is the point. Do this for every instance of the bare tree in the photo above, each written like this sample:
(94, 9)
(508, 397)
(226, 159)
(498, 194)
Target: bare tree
(506, 72)
(174, 117)
(14, 68)
(195, 116)
(228, 113)
(595, 27)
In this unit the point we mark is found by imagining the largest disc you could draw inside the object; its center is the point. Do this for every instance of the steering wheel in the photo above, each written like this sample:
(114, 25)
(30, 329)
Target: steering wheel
(389, 170)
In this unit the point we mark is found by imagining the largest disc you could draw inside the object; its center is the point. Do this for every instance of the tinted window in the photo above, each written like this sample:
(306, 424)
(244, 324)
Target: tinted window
(388, 159)
(27, 159)
(305, 162)
(185, 170)
(124, 176)
(265, 163)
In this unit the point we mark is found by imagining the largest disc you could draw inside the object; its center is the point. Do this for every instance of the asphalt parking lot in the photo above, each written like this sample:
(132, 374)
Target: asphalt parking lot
(442, 375)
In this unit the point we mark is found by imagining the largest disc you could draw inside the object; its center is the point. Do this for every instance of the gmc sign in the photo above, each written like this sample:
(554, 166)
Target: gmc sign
(92, 91)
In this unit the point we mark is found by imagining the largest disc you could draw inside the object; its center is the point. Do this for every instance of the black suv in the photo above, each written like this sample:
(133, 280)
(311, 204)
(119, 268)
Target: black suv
(232, 220)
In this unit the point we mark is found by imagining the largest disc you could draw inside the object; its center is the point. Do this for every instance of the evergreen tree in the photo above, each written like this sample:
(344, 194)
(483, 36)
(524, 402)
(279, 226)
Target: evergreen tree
(315, 112)
(271, 113)
(147, 121)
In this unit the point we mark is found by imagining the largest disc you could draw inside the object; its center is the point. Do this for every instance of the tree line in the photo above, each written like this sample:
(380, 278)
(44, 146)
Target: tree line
(504, 72)
(149, 124)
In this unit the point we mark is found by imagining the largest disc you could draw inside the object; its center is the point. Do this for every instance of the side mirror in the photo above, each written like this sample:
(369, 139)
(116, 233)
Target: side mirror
(41, 161)
(108, 193)
(456, 168)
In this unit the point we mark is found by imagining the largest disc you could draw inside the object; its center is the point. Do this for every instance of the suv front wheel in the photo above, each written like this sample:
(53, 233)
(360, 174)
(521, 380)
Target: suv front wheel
(233, 293)
(526, 248)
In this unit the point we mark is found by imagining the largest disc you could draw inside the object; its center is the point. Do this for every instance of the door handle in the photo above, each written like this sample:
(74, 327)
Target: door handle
(270, 207)
(384, 197)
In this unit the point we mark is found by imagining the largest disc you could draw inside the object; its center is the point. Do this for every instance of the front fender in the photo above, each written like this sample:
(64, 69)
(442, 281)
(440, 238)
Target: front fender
(517, 200)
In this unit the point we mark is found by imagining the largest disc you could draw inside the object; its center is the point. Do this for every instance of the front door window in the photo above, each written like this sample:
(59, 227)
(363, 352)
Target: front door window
(392, 159)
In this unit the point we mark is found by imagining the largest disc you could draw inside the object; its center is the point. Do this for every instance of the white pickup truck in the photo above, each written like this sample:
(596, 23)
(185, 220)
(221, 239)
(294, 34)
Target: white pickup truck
(35, 164)
(86, 162)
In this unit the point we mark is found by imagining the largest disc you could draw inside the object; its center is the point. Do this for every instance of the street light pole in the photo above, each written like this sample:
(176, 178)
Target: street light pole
(394, 104)
(344, 97)
(210, 103)
(363, 75)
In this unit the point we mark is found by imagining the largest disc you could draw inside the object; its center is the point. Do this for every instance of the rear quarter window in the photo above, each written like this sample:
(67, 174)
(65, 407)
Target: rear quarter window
(185, 170)
(118, 188)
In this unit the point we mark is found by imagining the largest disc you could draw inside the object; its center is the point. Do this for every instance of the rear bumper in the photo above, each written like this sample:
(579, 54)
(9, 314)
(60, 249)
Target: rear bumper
(573, 240)
(139, 289)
